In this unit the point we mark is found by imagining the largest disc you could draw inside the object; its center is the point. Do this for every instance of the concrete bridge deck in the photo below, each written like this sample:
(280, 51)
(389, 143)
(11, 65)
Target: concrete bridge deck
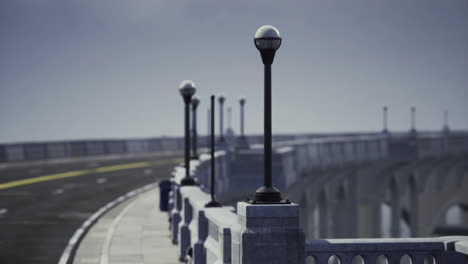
(134, 231)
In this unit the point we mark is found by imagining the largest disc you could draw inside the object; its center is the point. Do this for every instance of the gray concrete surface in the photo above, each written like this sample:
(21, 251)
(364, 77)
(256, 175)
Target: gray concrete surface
(133, 232)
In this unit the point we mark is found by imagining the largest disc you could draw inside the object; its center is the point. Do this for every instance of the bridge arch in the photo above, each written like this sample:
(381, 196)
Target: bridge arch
(451, 214)
(440, 199)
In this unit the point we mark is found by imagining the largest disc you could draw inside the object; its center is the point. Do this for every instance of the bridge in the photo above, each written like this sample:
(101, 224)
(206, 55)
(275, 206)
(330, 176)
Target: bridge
(371, 185)
(378, 197)
(345, 187)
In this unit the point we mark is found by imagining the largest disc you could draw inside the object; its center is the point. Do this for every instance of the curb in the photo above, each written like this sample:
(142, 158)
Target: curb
(68, 253)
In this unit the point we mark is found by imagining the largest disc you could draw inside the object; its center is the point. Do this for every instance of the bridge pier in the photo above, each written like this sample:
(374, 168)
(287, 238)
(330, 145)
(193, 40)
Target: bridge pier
(323, 215)
(414, 205)
(396, 212)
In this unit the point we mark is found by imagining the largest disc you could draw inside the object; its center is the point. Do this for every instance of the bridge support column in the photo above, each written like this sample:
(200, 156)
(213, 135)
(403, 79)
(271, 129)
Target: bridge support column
(396, 216)
(414, 215)
(268, 233)
(323, 219)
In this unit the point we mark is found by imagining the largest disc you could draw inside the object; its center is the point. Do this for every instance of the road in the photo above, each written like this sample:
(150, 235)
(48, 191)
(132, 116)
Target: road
(41, 205)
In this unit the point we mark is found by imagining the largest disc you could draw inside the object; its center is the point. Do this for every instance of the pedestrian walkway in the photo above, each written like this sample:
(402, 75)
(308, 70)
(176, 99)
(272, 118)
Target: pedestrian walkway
(134, 232)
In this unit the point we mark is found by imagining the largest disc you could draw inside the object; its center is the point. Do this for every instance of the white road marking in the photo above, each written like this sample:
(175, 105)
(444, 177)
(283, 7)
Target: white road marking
(3, 211)
(101, 180)
(57, 191)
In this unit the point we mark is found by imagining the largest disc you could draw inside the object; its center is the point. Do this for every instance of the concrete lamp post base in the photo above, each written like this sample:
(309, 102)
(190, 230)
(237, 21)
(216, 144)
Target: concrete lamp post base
(268, 195)
(187, 182)
(212, 204)
(268, 233)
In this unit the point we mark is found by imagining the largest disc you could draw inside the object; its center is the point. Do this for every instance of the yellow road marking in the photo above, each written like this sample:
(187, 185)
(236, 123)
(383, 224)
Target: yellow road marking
(123, 167)
(69, 174)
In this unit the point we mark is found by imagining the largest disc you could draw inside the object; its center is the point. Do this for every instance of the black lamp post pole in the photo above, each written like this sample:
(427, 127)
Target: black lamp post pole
(208, 126)
(267, 128)
(194, 131)
(187, 90)
(446, 125)
(187, 140)
(413, 118)
(221, 121)
(212, 164)
(242, 118)
(385, 111)
(213, 202)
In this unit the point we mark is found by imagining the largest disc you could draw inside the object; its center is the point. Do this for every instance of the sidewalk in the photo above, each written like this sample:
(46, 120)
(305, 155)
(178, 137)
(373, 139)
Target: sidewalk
(134, 232)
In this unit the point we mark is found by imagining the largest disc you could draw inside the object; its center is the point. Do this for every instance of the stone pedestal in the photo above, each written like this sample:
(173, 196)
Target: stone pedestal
(268, 233)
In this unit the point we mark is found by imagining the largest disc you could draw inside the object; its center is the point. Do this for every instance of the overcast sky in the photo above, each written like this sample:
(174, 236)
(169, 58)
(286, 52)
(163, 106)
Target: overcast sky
(111, 69)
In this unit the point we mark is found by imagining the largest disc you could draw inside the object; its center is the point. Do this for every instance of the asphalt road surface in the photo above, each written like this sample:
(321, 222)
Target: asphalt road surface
(42, 205)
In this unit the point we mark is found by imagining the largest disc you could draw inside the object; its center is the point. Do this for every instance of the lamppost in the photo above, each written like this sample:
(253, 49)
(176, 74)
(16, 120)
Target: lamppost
(242, 104)
(242, 140)
(385, 115)
(195, 102)
(267, 40)
(187, 90)
(221, 100)
(413, 120)
(213, 202)
(229, 117)
(208, 127)
(446, 121)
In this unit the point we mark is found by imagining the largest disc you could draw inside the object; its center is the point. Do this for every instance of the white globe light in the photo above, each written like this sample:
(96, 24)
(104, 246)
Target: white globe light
(195, 100)
(187, 88)
(267, 38)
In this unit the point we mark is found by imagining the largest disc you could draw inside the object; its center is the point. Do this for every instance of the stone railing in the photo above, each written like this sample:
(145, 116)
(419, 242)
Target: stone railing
(326, 152)
(221, 235)
(271, 233)
(396, 250)
(203, 234)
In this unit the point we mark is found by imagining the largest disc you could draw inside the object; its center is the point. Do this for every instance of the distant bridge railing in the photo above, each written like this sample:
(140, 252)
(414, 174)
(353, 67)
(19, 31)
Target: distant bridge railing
(326, 149)
(325, 152)
(73, 149)
(271, 233)
(30, 151)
